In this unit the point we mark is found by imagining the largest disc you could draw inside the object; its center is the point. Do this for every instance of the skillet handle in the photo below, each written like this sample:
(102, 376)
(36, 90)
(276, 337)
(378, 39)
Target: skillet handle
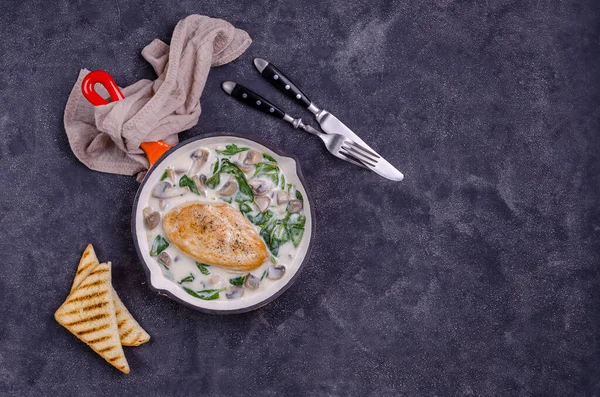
(153, 150)
(100, 76)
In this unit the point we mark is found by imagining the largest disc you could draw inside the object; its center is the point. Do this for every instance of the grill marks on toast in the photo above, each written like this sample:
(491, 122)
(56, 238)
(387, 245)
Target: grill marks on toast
(90, 330)
(87, 297)
(125, 321)
(130, 331)
(87, 264)
(101, 339)
(86, 320)
(96, 315)
(96, 327)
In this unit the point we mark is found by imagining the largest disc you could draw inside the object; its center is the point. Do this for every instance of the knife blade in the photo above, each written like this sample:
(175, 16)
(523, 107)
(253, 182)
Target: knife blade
(329, 123)
(332, 125)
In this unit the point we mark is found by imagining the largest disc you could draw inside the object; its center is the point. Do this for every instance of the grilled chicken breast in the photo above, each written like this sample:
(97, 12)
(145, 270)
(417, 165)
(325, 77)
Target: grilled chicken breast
(215, 234)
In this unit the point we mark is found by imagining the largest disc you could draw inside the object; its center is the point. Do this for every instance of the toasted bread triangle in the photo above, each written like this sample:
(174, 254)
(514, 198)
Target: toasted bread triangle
(130, 331)
(89, 314)
(87, 263)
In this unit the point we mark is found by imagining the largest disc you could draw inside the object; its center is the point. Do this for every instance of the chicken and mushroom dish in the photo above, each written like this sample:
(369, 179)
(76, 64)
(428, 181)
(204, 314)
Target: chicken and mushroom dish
(224, 221)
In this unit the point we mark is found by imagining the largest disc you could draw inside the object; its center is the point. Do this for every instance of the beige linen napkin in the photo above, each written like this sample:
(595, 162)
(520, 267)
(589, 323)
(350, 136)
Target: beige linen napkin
(107, 138)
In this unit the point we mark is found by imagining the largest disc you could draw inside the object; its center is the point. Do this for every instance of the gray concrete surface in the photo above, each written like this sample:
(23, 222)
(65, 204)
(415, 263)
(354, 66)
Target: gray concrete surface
(476, 276)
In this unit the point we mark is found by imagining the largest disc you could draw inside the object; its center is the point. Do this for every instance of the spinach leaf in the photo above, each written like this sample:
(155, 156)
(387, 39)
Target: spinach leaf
(203, 268)
(295, 225)
(207, 294)
(244, 196)
(244, 193)
(299, 195)
(264, 168)
(164, 176)
(266, 156)
(226, 199)
(265, 233)
(189, 182)
(275, 234)
(232, 149)
(296, 235)
(245, 208)
(295, 220)
(279, 236)
(270, 170)
(261, 219)
(282, 181)
(237, 281)
(158, 245)
(214, 181)
(187, 279)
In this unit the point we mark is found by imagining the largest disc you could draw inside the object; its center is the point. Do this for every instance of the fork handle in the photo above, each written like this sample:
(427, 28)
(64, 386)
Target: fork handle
(252, 99)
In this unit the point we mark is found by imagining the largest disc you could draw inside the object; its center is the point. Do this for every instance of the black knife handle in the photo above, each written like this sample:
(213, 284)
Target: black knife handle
(256, 101)
(281, 81)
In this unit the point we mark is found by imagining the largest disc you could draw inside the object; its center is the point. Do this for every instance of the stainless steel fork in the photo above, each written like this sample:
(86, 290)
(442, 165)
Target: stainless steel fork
(338, 145)
(341, 147)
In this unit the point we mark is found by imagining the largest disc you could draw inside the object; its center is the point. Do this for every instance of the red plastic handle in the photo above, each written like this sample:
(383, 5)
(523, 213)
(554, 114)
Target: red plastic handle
(100, 76)
(153, 150)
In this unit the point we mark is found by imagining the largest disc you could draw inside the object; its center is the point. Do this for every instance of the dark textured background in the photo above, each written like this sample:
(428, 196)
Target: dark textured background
(478, 275)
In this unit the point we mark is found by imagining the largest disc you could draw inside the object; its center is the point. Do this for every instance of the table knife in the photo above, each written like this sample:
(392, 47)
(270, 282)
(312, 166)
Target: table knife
(328, 122)
(346, 150)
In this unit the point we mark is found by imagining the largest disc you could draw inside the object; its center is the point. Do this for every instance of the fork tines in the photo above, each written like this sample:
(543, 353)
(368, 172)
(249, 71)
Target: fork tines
(360, 153)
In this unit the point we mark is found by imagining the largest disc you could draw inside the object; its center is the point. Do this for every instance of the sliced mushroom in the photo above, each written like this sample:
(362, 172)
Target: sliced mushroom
(229, 187)
(252, 282)
(162, 204)
(215, 281)
(200, 185)
(244, 167)
(261, 187)
(199, 158)
(164, 259)
(262, 203)
(295, 206)
(171, 175)
(164, 190)
(235, 292)
(276, 272)
(252, 157)
(152, 218)
(282, 197)
(239, 159)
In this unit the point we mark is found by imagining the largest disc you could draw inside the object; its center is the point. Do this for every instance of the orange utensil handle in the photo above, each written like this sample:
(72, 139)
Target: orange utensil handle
(153, 150)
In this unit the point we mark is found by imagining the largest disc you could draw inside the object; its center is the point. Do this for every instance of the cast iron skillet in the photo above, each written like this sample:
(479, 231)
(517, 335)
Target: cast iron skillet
(145, 265)
(156, 153)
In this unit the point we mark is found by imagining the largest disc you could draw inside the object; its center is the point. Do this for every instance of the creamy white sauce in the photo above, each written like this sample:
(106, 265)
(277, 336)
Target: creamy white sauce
(182, 265)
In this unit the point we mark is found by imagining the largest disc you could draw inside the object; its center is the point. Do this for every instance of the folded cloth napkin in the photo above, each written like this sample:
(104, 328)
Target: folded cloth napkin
(107, 138)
